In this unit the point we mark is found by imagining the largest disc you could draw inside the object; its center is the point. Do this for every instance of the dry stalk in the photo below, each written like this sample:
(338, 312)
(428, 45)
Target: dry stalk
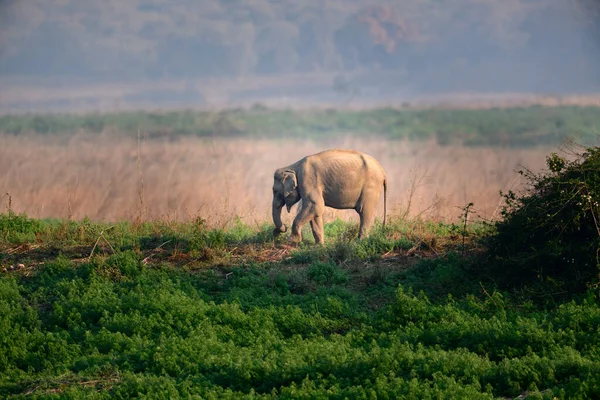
(9, 205)
(114, 183)
(141, 211)
(485, 291)
(415, 183)
(510, 186)
(147, 258)
(434, 205)
(69, 201)
(414, 248)
(101, 236)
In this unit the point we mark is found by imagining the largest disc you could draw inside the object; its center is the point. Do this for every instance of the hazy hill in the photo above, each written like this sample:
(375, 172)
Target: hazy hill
(416, 46)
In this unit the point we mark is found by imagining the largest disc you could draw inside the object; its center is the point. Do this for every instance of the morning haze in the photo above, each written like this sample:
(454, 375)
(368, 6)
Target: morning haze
(67, 55)
(169, 221)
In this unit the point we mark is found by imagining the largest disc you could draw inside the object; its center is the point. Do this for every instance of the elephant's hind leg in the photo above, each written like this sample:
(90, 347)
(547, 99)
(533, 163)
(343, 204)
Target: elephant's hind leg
(367, 214)
(318, 230)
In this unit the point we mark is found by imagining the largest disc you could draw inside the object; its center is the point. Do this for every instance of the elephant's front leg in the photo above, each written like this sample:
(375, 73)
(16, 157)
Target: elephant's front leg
(317, 228)
(306, 214)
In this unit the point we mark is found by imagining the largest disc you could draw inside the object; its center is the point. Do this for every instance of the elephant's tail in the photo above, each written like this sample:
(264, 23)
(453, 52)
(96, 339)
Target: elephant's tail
(384, 202)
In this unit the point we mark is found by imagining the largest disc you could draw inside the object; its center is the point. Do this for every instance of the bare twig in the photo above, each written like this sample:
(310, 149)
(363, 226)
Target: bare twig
(510, 186)
(9, 206)
(431, 248)
(415, 183)
(141, 191)
(485, 291)
(97, 381)
(465, 216)
(101, 236)
(147, 258)
(69, 201)
(414, 248)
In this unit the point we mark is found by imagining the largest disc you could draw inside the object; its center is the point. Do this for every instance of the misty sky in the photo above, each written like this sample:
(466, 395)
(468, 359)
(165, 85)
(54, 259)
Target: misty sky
(421, 46)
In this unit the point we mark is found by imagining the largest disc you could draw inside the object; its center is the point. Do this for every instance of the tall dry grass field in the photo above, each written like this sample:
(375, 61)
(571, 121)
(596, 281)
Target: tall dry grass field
(110, 178)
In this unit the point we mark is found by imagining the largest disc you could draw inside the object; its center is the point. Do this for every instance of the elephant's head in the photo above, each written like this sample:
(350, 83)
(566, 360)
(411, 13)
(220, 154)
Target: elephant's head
(285, 192)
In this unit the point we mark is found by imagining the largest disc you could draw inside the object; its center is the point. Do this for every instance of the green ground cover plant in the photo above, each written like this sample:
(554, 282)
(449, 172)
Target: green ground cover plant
(166, 309)
(519, 126)
(423, 310)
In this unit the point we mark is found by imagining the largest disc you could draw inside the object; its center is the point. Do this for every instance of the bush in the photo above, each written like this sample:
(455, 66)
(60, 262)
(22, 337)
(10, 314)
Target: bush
(113, 327)
(18, 228)
(550, 235)
(326, 273)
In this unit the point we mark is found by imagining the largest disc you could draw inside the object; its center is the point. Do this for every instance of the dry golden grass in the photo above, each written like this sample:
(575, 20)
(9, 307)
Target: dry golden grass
(102, 177)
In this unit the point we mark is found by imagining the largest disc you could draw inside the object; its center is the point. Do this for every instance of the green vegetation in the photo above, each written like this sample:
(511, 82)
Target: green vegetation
(167, 309)
(550, 235)
(164, 309)
(507, 127)
(113, 327)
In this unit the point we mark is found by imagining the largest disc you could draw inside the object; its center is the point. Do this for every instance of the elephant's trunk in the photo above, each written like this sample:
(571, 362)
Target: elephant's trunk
(279, 226)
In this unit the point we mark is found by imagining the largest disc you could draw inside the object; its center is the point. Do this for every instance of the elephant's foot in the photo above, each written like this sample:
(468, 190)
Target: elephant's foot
(295, 238)
(278, 231)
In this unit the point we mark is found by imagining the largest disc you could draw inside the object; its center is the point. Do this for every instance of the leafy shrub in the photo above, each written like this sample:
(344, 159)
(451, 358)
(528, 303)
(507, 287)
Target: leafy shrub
(124, 265)
(339, 326)
(344, 246)
(551, 233)
(443, 275)
(326, 273)
(373, 246)
(71, 331)
(18, 228)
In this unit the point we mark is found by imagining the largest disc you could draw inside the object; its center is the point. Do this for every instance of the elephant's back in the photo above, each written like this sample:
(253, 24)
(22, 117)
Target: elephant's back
(338, 162)
(345, 169)
(373, 164)
(342, 176)
(350, 160)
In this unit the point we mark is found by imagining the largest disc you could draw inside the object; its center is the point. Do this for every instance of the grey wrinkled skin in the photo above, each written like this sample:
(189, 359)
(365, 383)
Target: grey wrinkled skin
(341, 179)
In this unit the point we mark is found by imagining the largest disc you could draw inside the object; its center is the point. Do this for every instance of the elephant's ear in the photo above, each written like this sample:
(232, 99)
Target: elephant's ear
(289, 182)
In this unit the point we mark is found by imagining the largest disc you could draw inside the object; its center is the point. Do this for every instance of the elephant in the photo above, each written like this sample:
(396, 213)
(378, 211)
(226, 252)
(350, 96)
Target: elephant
(336, 178)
